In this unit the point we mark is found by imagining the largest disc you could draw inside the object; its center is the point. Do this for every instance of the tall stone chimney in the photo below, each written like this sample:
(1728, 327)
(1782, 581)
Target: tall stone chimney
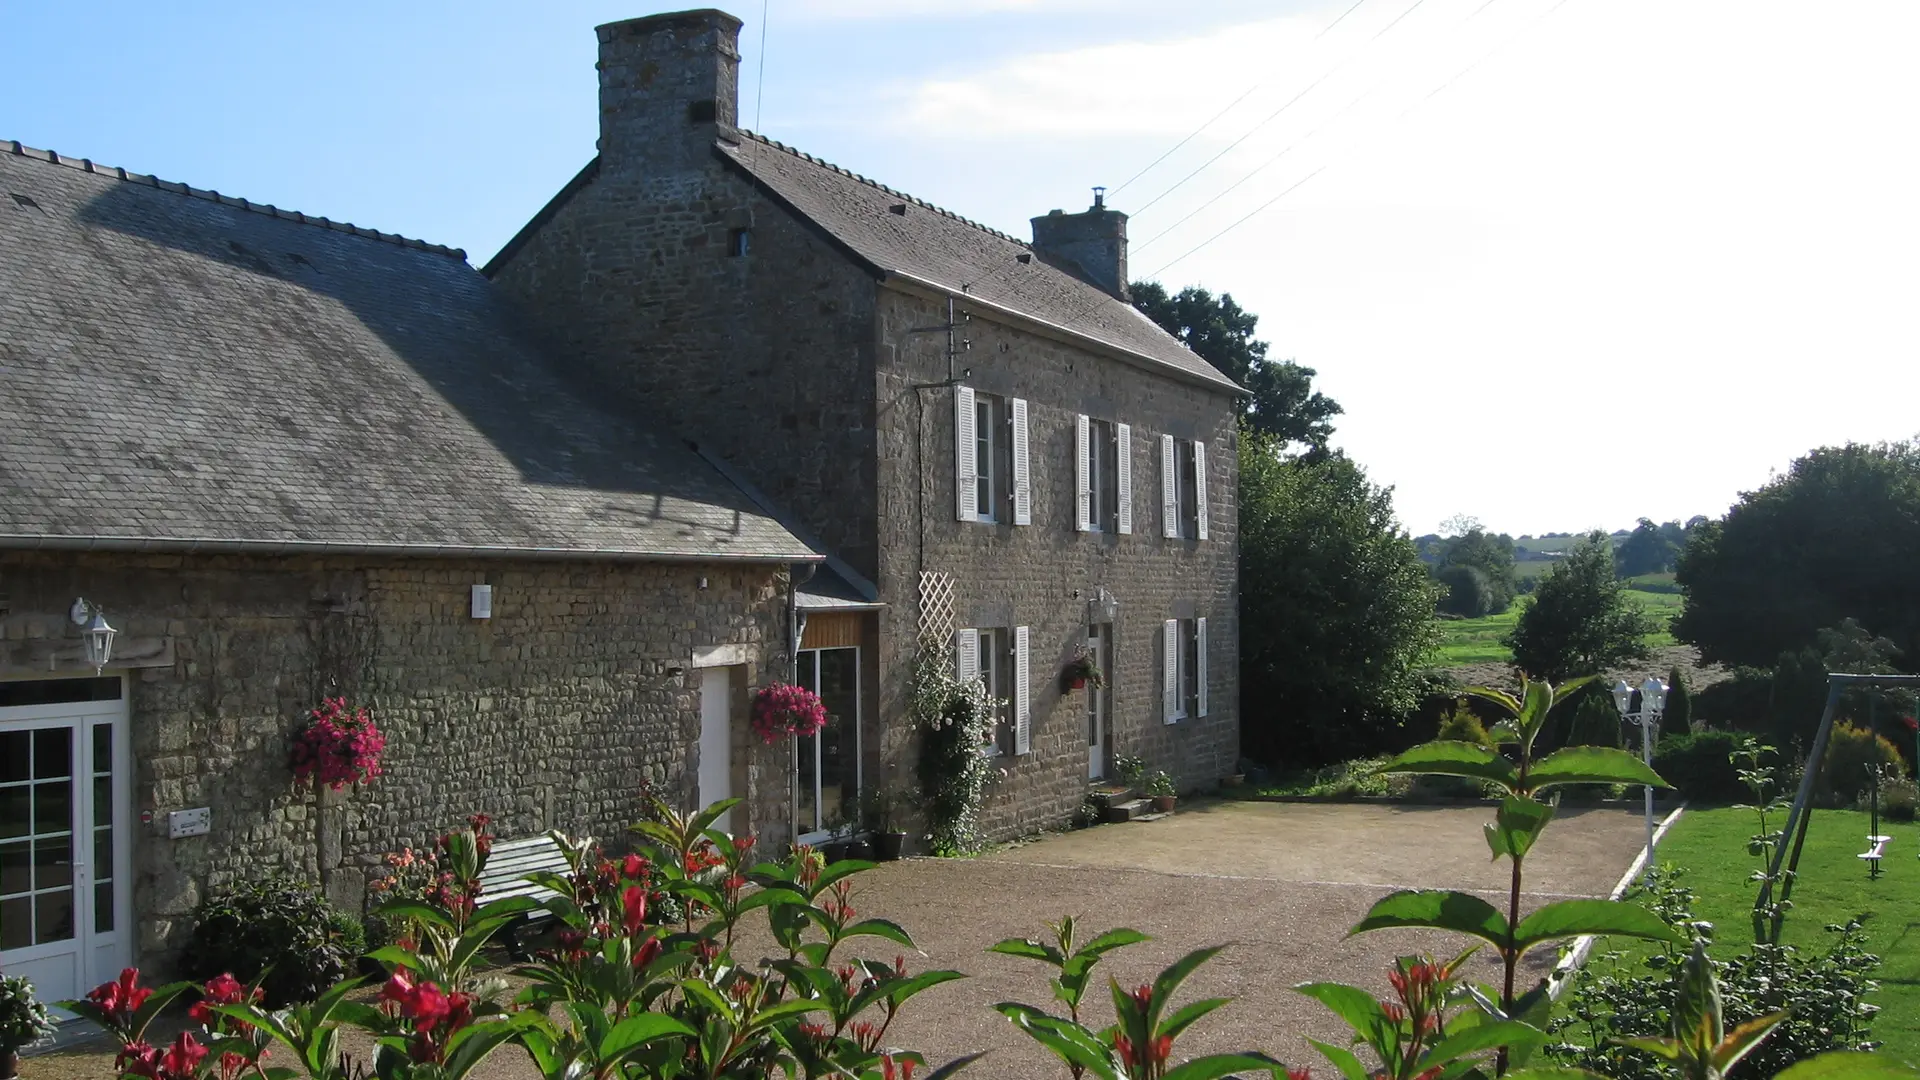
(668, 83)
(1091, 246)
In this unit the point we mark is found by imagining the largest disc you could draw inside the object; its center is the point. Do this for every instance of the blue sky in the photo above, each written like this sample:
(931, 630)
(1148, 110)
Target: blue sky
(1565, 262)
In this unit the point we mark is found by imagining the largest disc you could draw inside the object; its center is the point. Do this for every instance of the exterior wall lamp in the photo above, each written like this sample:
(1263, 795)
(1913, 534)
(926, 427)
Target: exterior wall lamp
(95, 631)
(1102, 606)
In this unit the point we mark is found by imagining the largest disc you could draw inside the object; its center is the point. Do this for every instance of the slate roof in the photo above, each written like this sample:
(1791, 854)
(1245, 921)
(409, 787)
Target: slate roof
(899, 234)
(185, 370)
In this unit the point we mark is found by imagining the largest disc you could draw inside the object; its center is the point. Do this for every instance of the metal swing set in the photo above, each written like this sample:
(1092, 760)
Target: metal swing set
(1765, 908)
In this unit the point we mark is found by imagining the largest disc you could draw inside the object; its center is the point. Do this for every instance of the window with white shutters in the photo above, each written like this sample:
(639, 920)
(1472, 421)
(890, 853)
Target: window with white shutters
(1022, 696)
(1200, 490)
(1200, 666)
(1123, 477)
(965, 476)
(1169, 488)
(1170, 670)
(1022, 474)
(966, 654)
(1082, 476)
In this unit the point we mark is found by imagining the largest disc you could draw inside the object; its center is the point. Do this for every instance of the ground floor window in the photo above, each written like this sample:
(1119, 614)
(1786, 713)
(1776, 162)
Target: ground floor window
(828, 763)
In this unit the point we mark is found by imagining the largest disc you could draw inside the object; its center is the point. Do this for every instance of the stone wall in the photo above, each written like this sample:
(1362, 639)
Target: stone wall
(551, 714)
(1043, 575)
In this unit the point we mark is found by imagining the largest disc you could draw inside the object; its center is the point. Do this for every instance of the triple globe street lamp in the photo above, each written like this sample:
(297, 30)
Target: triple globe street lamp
(1652, 704)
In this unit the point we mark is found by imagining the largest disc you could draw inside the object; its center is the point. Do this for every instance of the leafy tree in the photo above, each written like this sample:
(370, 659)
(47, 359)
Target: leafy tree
(1679, 714)
(1649, 549)
(1489, 553)
(1282, 401)
(1580, 621)
(1832, 538)
(1336, 610)
(1466, 591)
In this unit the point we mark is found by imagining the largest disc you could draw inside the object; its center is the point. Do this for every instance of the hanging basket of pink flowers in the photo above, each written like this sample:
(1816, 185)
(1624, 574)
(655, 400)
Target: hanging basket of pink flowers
(337, 746)
(785, 709)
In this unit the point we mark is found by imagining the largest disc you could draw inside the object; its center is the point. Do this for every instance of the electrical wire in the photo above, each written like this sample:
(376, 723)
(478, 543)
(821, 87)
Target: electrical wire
(1195, 133)
(760, 81)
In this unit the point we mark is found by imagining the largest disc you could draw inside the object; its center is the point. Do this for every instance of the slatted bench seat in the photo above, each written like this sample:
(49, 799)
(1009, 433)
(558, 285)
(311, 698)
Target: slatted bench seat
(1875, 853)
(505, 877)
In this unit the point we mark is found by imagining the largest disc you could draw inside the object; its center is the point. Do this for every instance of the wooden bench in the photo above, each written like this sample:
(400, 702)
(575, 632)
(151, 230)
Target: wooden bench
(1874, 854)
(505, 877)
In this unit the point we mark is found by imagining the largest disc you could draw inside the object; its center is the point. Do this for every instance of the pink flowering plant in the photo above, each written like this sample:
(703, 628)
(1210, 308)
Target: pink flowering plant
(785, 709)
(338, 746)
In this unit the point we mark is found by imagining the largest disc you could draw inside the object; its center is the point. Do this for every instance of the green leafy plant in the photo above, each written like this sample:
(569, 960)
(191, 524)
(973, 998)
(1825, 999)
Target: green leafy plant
(1139, 1044)
(1517, 826)
(24, 1019)
(1130, 768)
(1411, 1034)
(1749, 759)
(1160, 785)
(1853, 755)
(276, 930)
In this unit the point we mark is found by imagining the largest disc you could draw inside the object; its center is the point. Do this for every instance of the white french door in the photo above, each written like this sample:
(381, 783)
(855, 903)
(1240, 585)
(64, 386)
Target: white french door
(1099, 701)
(66, 904)
(828, 764)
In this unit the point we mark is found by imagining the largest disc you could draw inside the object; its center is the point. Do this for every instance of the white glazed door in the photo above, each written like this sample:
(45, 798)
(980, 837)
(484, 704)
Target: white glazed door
(64, 851)
(1099, 702)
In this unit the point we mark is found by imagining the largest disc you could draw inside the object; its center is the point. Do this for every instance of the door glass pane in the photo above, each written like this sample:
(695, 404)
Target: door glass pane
(14, 875)
(808, 747)
(53, 916)
(103, 907)
(52, 753)
(52, 863)
(16, 922)
(14, 813)
(103, 800)
(839, 751)
(53, 807)
(14, 756)
(102, 854)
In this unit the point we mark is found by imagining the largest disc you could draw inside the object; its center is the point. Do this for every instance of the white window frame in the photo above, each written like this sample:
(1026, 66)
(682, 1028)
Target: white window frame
(1172, 705)
(1183, 670)
(1022, 479)
(1123, 476)
(964, 475)
(1169, 488)
(1082, 477)
(817, 834)
(986, 440)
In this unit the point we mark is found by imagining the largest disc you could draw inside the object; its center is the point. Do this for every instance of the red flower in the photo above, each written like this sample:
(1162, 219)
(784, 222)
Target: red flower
(887, 1067)
(634, 867)
(183, 1056)
(785, 709)
(223, 989)
(1395, 1014)
(121, 998)
(647, 953)
(1299, 1074)
(338, 746)
(1912, 723)
(633, 904)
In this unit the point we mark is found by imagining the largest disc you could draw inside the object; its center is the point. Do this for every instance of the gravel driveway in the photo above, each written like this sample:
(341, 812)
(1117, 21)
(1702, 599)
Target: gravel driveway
(1279, 883)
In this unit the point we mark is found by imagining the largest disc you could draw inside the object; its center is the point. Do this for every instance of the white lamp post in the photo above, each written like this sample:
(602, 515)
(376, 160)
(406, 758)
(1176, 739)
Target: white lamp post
(1653, 702)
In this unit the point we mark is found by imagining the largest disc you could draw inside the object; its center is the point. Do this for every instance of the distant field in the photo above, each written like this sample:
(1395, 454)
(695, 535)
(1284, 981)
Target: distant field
(1477, 641)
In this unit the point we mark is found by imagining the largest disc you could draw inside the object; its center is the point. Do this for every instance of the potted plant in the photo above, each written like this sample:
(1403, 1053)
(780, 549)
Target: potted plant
(1080, 671)
(1161, 790)
(23, 1022)
(1130, 769)
(786, 709)
(877, 810)
(838, 839)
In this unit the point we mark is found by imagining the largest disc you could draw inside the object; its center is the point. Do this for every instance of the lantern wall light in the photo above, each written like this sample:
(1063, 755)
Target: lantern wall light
(95, 631)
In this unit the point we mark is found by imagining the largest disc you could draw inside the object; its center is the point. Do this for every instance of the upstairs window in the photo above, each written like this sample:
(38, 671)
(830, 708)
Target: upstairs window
(990, 458)
(1103, 474)
(1183, 492)
(1183, 654)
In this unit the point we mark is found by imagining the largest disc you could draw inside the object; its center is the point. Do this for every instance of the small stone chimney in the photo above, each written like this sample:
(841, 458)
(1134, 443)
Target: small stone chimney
(1091, 246)
(668, 84)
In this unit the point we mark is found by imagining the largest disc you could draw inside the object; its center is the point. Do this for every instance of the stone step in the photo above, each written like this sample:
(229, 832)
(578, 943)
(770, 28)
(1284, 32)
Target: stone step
(1127, 810)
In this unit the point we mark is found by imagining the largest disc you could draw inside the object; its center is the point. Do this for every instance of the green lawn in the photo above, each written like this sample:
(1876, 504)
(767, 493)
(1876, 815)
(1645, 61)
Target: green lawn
(1477, 641)
(1832, 887)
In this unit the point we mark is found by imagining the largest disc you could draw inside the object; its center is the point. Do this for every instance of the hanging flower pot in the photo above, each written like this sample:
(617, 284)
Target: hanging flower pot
(785, 709)
(1080, 671)
(338, 746)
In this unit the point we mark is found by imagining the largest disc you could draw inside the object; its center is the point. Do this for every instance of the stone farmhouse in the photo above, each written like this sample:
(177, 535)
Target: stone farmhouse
(721, 415)
(1001, 452)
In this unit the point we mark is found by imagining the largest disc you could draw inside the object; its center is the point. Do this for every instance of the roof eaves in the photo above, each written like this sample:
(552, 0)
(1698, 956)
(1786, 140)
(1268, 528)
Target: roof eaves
(1152, 363)
(539, 220)
(215, 545)
(52, 157)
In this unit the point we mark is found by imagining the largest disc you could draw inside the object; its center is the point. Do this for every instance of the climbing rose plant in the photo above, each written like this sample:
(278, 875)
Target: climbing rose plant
(785, 709)
(338, 746)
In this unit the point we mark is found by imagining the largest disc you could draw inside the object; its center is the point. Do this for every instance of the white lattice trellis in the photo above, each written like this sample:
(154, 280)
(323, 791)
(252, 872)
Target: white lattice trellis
(936, 609)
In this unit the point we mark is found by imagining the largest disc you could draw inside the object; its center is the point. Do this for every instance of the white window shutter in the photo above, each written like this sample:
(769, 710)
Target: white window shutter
(1123, 474)
(1169, 488)
(1200, 489)
(1022, 477)
(1022, 697)
(966, 654)
(1082, 479)
(1170, 668)
(964, 465)
(1200, 664)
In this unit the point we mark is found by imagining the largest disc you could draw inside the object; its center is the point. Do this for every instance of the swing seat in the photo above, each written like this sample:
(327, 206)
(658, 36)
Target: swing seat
(1877, 852)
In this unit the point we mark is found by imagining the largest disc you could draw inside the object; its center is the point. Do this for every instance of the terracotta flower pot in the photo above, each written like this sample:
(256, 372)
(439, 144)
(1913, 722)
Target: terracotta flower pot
(1077, 684)
(1163, 803)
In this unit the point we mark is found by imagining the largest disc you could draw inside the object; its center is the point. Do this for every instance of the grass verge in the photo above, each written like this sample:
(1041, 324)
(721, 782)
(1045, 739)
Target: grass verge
(1478, 641)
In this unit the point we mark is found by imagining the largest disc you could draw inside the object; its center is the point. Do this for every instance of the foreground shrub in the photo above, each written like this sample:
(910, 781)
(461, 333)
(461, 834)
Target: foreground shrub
(1899, 799)
(1617, 995)
(1700, 765)
(278, 928)
(1854, 756)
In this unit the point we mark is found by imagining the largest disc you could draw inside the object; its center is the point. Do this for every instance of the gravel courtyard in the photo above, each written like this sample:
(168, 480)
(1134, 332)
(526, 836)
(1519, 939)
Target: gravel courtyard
(1279, 883)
